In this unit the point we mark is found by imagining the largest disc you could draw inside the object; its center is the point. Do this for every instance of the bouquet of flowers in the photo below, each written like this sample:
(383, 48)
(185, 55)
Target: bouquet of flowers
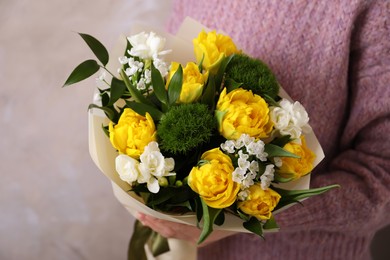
(212, 140)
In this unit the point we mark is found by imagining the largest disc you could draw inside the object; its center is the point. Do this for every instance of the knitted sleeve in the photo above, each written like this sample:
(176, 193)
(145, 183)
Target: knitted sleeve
(362, 167)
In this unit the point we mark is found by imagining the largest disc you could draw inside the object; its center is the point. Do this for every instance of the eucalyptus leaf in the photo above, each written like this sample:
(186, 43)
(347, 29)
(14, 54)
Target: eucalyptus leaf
(159, 86)
(97, 48)
(209, 216)
(174, 87)
(277, 151)
(254, 226)
(142, 108)
(83, 71)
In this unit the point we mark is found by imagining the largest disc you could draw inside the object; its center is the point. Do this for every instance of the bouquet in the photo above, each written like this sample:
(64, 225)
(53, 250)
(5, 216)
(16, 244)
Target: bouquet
(208, 140)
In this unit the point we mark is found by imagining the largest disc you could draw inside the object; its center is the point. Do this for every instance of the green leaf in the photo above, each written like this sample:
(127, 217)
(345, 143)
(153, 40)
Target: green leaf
(276, 151)
(118, 88)
(254, 226)
(142, 108)
(294, 196)
(220, 219)
(198, 210)
(208, 96)
(82, 71)
(271, 223)
(221, 71)
(134, 91)
(159, 244)
(159, 86)
(174, 87)
(280, 179)
(97, 48)
(141, 234)
(282, 141)
(209, 216)
(200, 65)
(111, 114)
(231, 84)
(243, 216)
(270, 100)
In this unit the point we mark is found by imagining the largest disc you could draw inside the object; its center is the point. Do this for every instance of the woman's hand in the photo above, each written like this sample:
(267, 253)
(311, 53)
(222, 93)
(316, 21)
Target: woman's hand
(185, 232)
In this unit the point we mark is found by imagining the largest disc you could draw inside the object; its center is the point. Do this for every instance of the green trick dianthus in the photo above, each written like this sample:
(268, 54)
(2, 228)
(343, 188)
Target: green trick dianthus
(185, 127)
(253, 74)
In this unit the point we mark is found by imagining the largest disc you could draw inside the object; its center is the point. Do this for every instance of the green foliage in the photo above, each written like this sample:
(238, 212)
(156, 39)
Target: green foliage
(294, 196)
(185, 127)
(159, 86)
(209, 217)
(254, 226)
(141, 109)
(277, 151)
(82, 71)
(174, 87)
(253, 74)
(97, 48)
(142, 235)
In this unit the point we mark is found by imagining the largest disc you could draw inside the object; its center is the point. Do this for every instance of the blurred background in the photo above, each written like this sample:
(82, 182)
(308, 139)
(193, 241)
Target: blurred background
(54, 202)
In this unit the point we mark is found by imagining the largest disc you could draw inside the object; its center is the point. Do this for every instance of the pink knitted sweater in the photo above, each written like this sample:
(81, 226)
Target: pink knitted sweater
(334, 57)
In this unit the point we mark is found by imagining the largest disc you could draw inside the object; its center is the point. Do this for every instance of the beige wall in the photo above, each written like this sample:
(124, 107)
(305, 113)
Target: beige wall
(54, 203)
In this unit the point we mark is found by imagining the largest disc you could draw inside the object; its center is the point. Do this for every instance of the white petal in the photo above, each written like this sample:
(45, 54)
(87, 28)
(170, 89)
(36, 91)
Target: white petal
(153, 186)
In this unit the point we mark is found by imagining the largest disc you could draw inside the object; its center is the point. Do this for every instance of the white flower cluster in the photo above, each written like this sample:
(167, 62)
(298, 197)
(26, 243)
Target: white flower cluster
(147, 47)
(151, 167)
(290, 118)
(247, 170)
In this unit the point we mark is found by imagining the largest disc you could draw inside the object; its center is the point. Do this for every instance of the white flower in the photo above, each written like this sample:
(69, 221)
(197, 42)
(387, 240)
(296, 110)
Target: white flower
(146, 45)
(257, 149)
(141, 84)
(153, 166)
(243, 163)
(238, 175)
(161, 66)
(254, 167)
(242, 195)
(228, 146)
(131, 71)
(278, 161)
(123, 60)
(148, 76)
(127, 168)
(267, 177)
(248, 180)
(244, 140)
(290, 118)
